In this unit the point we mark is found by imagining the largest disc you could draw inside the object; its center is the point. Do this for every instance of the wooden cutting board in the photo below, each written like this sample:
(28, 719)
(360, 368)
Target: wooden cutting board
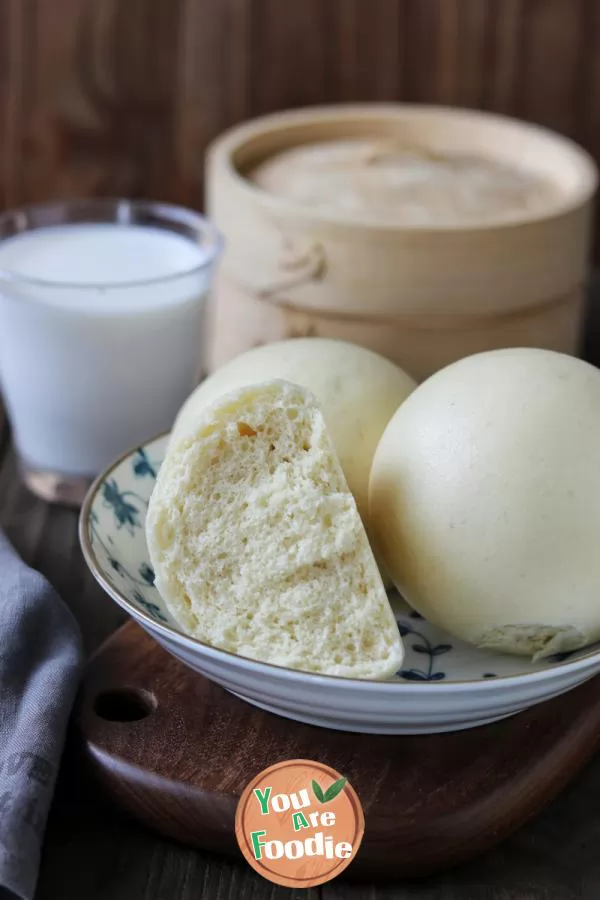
(176, 751)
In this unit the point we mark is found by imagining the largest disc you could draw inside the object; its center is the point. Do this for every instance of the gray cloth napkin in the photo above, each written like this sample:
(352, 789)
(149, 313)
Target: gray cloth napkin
(40, 662)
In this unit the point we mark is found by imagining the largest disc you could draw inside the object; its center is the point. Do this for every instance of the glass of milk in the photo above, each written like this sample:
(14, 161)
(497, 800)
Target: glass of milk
(101, 318)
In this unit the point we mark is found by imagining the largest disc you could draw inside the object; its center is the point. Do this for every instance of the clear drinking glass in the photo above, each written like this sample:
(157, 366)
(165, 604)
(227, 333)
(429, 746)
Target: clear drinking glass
(101, 319)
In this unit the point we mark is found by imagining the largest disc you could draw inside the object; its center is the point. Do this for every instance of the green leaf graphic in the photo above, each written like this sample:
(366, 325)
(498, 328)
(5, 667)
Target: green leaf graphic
(318, 792)
(334, 789)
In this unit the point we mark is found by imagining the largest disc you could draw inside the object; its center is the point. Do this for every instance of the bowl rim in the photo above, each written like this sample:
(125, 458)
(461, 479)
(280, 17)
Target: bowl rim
(273, 669)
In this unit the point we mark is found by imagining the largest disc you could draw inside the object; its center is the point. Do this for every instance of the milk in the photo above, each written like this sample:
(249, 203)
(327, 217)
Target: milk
(100, 338)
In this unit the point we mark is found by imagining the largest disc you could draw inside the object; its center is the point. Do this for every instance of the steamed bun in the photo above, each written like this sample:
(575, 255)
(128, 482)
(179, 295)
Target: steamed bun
(257, 544)
(485, 501)
(357, 390)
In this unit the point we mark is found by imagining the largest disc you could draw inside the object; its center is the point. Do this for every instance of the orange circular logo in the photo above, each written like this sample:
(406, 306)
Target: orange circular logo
(299, 823)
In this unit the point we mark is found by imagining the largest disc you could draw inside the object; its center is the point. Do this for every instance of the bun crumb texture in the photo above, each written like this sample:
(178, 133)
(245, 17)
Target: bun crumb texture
(257, 544)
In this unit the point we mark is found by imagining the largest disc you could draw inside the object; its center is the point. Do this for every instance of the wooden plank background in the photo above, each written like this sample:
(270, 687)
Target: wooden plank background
(122, 96)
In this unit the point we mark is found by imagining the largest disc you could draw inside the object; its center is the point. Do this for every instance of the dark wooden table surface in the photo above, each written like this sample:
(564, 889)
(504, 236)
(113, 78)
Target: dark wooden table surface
(93, 853)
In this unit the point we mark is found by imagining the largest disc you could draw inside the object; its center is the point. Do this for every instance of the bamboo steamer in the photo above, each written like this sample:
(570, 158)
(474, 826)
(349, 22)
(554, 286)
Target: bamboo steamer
(421, 296)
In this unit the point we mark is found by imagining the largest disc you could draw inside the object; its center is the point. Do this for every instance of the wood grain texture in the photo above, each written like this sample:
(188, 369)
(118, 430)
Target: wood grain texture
(123, 96)
(180, 762)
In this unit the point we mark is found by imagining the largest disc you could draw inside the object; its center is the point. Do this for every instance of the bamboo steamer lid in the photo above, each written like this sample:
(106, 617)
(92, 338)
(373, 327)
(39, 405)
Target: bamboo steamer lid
(422, 296)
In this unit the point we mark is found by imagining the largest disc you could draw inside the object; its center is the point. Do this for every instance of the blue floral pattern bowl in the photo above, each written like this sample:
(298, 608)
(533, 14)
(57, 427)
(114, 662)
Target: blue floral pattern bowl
(444, 684)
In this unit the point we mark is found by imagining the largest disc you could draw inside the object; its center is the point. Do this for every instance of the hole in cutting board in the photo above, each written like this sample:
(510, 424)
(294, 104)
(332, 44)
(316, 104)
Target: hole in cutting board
(124, 705)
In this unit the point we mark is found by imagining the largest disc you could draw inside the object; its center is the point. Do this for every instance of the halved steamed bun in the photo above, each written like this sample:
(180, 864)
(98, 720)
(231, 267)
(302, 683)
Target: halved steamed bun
(257, 544)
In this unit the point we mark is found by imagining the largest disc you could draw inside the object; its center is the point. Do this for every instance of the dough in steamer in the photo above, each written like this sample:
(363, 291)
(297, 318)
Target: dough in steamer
(395, 183)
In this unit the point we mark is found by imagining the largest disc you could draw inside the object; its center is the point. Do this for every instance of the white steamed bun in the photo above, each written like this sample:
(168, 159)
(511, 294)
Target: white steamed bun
(357, 390)
(485, 500)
